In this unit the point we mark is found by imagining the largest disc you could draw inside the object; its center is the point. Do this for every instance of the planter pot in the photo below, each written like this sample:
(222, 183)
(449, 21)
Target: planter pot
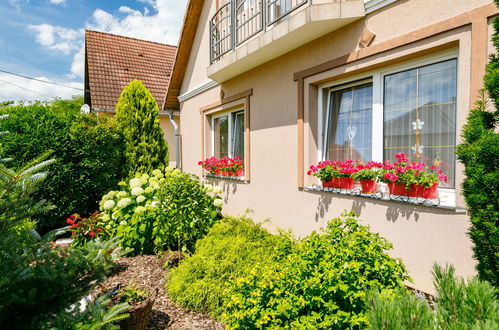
(428, 193)
(399, 189)
(139, 314)
(225, 173)
(368, 186)
(346, 183)
(333, 183)
(240, 172)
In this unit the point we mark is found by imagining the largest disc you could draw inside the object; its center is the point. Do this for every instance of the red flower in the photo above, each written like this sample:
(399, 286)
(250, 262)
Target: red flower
(91, 234)
(98, 229)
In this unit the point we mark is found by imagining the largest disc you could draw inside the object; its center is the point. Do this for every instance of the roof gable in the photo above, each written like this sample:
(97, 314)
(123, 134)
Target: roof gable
(112, 61)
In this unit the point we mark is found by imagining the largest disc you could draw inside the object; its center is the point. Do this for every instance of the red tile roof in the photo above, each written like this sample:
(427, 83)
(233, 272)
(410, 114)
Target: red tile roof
(113, 61)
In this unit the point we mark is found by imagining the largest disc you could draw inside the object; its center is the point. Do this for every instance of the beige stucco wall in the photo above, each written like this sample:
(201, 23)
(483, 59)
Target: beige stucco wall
(169, 134)
(420, 235)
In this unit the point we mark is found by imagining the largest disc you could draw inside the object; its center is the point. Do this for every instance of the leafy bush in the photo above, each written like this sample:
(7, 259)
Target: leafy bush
(231, 249)
(89, 153)
(459, 305)
(137, 116)
(160, 211)
(321, 284)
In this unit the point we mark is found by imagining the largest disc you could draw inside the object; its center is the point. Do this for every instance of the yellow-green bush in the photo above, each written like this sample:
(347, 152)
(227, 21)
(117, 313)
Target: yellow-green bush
(232, 248)
(321, 284)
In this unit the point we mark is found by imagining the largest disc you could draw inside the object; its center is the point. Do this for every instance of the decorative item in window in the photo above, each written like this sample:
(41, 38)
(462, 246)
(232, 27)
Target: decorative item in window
(225, 167)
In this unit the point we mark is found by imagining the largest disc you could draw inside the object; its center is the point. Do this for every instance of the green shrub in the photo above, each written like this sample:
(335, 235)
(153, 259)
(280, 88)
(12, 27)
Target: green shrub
(459, 305)
(321, 284)
(89, 153)
(37, 280)
(137, 116)
(164, 210)
(231, 249)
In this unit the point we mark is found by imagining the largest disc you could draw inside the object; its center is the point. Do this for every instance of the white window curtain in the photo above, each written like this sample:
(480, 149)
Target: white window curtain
(420, 115)
(349, 123)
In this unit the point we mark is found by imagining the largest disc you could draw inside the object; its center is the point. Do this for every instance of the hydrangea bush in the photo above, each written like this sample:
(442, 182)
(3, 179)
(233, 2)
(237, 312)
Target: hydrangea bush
(161, 210)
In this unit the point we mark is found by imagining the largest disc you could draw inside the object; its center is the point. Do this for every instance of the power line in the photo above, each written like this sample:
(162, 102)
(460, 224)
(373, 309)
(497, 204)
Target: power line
(27, 89)
(43, 81)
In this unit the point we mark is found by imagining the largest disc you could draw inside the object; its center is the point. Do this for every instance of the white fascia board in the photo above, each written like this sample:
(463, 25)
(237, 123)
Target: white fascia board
(196, 91)
(373, 5)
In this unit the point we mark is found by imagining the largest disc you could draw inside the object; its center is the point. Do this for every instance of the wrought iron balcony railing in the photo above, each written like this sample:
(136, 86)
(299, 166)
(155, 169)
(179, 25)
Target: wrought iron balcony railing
(239, 20)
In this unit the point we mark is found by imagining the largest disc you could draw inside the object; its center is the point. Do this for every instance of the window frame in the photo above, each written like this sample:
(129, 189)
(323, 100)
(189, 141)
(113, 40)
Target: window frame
(229, 114)
(377, 76)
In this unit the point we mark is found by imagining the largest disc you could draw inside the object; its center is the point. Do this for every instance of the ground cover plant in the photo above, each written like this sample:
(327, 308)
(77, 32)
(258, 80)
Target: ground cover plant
(88, 151)
(321, 284)
(161, 210)
(138, 119)
(231, 249)
(458, 305)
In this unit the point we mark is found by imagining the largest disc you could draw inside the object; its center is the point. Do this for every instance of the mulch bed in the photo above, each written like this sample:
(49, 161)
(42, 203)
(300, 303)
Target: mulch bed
(149, 273)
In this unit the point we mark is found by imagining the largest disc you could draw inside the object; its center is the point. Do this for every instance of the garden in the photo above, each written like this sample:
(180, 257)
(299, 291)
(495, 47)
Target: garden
(98, 232)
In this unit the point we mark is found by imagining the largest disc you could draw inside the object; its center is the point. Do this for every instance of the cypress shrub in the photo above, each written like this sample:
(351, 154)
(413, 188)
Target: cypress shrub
(138, 117)
(478, 152)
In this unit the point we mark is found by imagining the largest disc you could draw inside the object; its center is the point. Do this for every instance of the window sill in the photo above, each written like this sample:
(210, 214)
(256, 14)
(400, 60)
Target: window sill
(446, 200)
(233, 178)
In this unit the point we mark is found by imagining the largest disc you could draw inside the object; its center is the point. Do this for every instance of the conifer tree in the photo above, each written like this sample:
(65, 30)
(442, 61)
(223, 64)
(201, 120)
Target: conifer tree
(138, 117)
(478, 152)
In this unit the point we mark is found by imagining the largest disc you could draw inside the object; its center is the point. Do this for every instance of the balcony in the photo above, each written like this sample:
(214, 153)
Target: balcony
(247, 33)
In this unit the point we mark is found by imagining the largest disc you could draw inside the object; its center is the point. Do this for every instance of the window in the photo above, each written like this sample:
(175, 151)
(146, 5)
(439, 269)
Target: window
(349, 122)
(228, 135)
(410, 110)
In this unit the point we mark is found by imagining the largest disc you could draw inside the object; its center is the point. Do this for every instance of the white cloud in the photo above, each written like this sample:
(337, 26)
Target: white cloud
(21, 89)
(56, 38)
(162, 26)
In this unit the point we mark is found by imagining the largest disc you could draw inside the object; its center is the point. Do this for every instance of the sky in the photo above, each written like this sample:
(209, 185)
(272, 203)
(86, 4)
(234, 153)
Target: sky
(44, 39)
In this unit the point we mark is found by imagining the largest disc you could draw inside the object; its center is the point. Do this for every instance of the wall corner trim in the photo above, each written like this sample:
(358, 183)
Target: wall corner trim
(198, 90)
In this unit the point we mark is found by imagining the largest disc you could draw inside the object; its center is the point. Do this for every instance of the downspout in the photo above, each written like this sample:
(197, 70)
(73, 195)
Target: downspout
(178, 145)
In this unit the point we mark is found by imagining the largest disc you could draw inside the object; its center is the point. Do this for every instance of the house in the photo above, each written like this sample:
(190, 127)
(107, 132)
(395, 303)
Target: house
(302, 81)
(112, 61)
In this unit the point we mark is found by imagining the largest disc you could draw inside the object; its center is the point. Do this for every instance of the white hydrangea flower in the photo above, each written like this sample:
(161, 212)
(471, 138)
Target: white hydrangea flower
(109, 204)
(136, 182)
(218, 202)
(106, 217)
(148, 190)
(155, 185)
(162, 180)
(154, 204)
(140, 199)
(168, 169)
(121, 194)
(157, 173)
(209, 187)
(140, 209)
(137, 191)
(217, 190)
(153, 179)
(124, 202)
(123, 223)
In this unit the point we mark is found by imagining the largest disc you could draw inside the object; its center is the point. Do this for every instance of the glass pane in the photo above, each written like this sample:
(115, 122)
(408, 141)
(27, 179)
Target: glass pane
(221, 137)
(238, 135)
(420, 115)
(350, 124)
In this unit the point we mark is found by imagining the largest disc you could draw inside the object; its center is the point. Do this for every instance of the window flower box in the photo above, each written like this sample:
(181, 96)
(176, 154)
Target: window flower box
(225, 167)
